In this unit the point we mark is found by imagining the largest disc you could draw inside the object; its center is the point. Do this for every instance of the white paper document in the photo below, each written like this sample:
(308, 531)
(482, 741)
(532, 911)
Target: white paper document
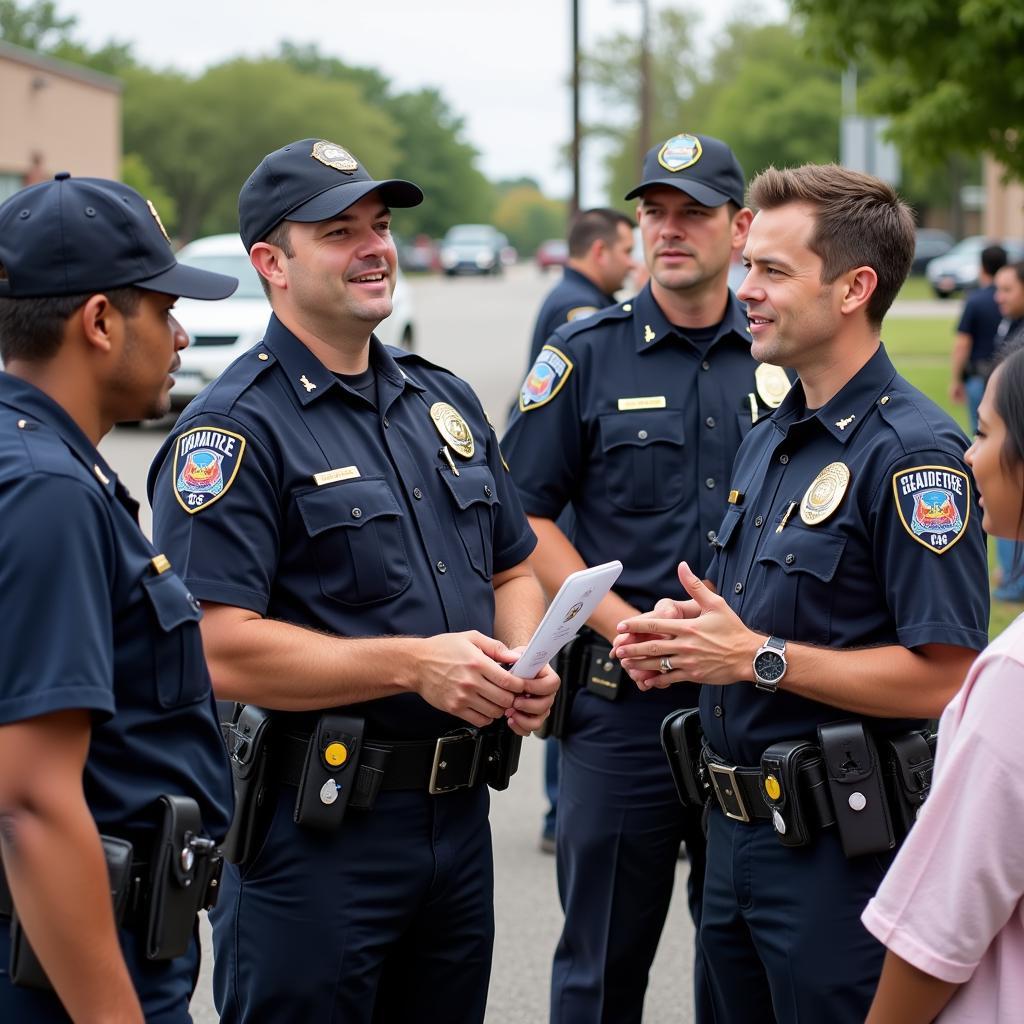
(574, 603)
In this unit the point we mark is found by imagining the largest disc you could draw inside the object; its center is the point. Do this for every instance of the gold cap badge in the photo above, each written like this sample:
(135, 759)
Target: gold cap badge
(453, 428)
(772, 384)
(680, 152)
(332, 155)
(822, 498)
(159, 222)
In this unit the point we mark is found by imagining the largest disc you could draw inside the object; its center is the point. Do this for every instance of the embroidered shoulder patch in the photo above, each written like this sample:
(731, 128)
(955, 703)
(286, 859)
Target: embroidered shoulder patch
(545, 380)
(580, 313)
(206, 461)
(934, 504)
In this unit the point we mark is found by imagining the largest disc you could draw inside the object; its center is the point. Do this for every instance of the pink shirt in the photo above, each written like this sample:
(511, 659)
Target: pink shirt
(951, 904)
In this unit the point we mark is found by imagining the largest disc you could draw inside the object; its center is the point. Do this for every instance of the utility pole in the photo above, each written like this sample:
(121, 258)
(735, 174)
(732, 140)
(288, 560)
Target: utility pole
(574, 205)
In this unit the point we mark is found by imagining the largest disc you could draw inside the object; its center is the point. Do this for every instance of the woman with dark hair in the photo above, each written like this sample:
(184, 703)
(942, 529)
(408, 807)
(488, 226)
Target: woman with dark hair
(950, 910)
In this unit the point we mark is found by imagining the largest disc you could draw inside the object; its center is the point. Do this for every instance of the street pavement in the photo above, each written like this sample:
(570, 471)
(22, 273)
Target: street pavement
(480, 328)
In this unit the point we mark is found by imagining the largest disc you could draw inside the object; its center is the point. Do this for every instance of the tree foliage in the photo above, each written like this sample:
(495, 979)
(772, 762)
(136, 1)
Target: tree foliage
(528, 217)
(950, 73)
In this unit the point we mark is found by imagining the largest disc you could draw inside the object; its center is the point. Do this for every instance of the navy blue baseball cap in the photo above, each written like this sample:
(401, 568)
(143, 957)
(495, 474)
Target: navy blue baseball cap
(76, 236)
(703, 167)
(309, 181)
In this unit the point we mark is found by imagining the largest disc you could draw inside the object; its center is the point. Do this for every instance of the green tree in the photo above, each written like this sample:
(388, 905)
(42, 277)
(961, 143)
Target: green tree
(35, 26)
(134, 172)
(528, 217)
(950, 73)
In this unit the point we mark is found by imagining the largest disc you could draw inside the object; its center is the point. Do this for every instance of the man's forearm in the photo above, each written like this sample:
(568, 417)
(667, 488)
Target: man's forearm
(58, 877)
(518, 607)
(907, 995)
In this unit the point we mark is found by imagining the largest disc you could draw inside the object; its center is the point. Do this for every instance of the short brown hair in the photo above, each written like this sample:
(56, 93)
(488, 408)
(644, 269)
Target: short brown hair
(281, 236)
(859, 221)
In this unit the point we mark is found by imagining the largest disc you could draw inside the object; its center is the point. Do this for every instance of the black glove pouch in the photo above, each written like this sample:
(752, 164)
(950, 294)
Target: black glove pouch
(855, 784)
(682, 739)
(247, 742)
(24, 967)
(784, 786)
(567, 664)
(329, 771)
(184, 878)
(503, 758)
(908, 760)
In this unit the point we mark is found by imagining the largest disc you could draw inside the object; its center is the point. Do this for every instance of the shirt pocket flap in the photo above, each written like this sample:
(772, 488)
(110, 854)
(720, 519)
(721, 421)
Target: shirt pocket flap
(733, 516)
(473, 485)
(797, 550)
(172, 603)
(640, 429)
(348, 504)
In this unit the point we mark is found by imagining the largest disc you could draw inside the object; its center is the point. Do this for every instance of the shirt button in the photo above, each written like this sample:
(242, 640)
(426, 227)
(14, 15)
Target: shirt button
(759, 521)
(712, 536)
(718, 711)
(386, 422)
(705, 365)
(417, 493)
(710, 483)
(738, 588)
(642, 434)
(487, 490)
(441, 567)
(710, 421)
(357, 513)
(784, 459)
(790, 559)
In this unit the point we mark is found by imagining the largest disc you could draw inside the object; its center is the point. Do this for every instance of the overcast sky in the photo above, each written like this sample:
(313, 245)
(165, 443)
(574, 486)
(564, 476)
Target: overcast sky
(503, 67)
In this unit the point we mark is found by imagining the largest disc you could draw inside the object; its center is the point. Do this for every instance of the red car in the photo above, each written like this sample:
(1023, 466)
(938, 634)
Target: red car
(552, 253)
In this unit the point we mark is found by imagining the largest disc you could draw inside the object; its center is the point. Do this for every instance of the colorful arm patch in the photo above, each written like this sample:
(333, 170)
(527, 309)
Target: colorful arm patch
(206, 461)
(580, 313)
(545, 380)
(934, 504)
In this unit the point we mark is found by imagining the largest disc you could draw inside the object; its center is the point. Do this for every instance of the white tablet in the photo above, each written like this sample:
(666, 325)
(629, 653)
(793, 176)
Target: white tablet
(574, 603)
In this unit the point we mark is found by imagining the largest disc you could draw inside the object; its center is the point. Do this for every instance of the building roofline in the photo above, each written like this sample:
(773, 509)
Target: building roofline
(64, 68)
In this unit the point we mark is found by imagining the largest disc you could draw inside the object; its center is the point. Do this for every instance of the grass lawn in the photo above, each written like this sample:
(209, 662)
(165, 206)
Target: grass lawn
(920, 348)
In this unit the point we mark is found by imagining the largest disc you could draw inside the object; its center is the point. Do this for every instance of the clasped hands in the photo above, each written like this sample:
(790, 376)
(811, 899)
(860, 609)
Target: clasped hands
(702, 639)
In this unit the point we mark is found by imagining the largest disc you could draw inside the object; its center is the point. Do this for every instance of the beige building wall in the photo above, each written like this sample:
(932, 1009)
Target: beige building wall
(68, 115)
(1004, 204)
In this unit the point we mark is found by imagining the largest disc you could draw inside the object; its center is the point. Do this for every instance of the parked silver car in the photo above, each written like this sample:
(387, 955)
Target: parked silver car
(958, 269)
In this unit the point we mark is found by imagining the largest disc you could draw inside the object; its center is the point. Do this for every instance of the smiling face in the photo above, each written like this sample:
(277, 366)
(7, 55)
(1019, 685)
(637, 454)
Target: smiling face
(686, 245)
(1000, 479)
(343, 269)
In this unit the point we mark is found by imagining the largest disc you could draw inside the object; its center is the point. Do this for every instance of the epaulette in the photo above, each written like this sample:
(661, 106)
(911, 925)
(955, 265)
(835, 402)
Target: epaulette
(620, 311)
(44, 448)
(221, 395)
(401, 355)
(902, 410)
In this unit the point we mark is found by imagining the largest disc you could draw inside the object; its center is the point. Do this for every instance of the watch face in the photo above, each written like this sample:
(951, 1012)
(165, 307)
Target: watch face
(770, 665)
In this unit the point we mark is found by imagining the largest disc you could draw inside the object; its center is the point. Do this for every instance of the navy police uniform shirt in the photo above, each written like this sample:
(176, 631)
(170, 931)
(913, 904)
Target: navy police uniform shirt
(287, 492)
(575, 297)
(980, 321)
(94, 619)
(635, 427)
(898, 557)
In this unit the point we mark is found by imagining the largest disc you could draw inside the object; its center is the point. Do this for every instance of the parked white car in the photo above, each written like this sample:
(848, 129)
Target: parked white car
(221, 331)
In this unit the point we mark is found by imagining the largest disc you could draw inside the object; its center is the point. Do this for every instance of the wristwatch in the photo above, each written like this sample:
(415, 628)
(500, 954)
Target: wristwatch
(770, 664)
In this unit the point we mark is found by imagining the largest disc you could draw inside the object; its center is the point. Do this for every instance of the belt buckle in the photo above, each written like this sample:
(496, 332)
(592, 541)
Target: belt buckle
(728, 793)
(463, 745)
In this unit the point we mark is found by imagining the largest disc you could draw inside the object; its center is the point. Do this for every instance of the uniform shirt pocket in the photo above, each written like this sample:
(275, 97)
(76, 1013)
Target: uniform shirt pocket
(356, 539)
(177, 650)
(643, 459)
(798, 568)
(476, 499)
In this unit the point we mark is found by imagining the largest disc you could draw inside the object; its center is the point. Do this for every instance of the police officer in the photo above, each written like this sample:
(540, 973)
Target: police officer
(342, 510)
(107, 722)
(632, 418)
(600, 260)
(851, 599)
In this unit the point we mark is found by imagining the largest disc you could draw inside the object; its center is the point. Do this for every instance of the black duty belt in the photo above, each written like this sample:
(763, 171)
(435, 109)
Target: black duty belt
(454, 761)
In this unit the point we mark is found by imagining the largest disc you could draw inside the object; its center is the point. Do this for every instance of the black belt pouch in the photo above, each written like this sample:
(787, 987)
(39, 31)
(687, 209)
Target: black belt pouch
(329, 771)
(908, 762)
(602, 676)
(856, 787)
(503, 759)
(682, 739)
(24, 967)
(185, 871)
(246, 739)
(567, 664)
(783, 788)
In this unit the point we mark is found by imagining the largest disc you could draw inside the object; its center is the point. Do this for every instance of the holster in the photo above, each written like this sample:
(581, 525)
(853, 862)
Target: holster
(566, 664)
(502, 762)
(24, 966)
(247, 742)
(907, 762)
(855, 783)
(329, 772)
(794, 786)
(682, 740)
(184, 878)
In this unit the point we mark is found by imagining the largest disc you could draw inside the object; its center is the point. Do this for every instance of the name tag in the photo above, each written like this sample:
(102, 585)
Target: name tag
(332, 476)
(651, 402)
